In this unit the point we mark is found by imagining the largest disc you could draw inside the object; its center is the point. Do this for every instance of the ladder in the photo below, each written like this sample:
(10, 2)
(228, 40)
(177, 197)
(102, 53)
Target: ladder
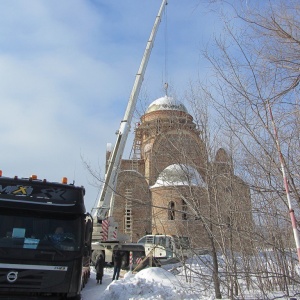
(128, 213)
(136, 149)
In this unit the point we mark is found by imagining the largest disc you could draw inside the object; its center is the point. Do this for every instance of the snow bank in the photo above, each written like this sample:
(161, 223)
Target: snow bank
(151, 283)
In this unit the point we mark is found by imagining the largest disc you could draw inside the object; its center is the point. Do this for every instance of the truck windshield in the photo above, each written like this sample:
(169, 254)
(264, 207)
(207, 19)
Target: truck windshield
(43, 231)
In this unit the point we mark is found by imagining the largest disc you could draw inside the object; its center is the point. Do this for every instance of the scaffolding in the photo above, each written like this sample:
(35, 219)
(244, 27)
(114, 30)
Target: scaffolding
(136, 148)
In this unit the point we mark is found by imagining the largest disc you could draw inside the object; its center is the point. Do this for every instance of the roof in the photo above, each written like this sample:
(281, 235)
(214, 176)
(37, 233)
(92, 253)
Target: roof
(166, 103)
(179, 175)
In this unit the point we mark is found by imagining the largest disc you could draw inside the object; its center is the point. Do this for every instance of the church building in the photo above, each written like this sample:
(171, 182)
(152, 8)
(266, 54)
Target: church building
(172, 186)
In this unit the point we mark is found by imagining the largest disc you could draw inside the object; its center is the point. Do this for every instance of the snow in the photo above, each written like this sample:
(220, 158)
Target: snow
(179, 175)
(170, 282)
(166, 103)
(150, 283)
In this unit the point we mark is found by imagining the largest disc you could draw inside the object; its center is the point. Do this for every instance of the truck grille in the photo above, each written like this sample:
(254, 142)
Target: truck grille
(34, 280)
(25, 279)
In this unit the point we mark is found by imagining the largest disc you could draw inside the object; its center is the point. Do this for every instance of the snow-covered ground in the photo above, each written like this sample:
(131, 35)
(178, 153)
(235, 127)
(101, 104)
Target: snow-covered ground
(170, 282)
(150, 283)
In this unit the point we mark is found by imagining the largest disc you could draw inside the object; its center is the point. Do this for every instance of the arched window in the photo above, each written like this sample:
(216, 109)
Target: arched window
(158, 125)
(184, 210)
(171, 211)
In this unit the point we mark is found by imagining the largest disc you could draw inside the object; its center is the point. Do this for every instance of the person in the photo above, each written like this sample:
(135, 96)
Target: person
(117, 264)
(99, 267)
(59, 230)
(60, 236)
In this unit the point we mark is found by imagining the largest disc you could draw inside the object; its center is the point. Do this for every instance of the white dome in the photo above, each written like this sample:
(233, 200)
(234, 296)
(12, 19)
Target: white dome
(166, 103)
(179, 175)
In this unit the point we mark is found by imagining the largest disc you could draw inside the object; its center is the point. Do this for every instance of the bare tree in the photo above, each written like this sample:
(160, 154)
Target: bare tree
(256, 67)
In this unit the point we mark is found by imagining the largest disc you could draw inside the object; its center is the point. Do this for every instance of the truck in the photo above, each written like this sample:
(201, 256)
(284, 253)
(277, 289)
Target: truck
(166, 247)
(45, 238)
(106, 236)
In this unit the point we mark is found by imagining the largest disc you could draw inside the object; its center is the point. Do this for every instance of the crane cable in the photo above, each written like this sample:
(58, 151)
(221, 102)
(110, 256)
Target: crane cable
(165, 76)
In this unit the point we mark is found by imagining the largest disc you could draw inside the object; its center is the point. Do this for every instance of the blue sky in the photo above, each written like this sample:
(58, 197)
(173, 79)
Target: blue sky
(67, 69)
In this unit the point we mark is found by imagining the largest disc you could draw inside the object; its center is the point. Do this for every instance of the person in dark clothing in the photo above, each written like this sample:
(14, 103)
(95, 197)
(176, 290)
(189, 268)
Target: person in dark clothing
(99, 267)
(117, 264)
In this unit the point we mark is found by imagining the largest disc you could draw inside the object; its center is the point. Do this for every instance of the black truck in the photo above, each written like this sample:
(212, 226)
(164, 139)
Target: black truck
(45, 239)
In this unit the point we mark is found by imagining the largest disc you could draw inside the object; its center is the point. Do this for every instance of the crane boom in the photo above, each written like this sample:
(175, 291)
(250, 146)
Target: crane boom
(104, 205)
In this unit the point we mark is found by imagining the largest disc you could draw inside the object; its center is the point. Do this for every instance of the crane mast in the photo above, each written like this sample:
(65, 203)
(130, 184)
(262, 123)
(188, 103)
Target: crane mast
(105, 202)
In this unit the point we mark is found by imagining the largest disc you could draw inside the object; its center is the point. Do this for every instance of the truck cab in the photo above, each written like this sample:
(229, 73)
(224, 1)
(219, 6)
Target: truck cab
(45, 239)
(165, 246)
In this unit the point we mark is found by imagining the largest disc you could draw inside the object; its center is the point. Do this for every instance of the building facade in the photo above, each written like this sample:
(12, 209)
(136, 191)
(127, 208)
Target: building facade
(171, 187)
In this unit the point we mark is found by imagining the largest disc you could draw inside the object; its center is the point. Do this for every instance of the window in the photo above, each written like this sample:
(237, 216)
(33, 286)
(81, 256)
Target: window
(171, 211)
(158, 126)
(142, 240)
(184, 210)
(160, 240)
(39, 231)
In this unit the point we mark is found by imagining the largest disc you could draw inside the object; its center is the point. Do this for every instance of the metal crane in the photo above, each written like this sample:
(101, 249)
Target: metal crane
(105, 204)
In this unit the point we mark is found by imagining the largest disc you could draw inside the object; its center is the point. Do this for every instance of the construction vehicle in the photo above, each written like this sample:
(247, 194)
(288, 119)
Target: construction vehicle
(166, 247)
(45, 238)
(106, 236)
